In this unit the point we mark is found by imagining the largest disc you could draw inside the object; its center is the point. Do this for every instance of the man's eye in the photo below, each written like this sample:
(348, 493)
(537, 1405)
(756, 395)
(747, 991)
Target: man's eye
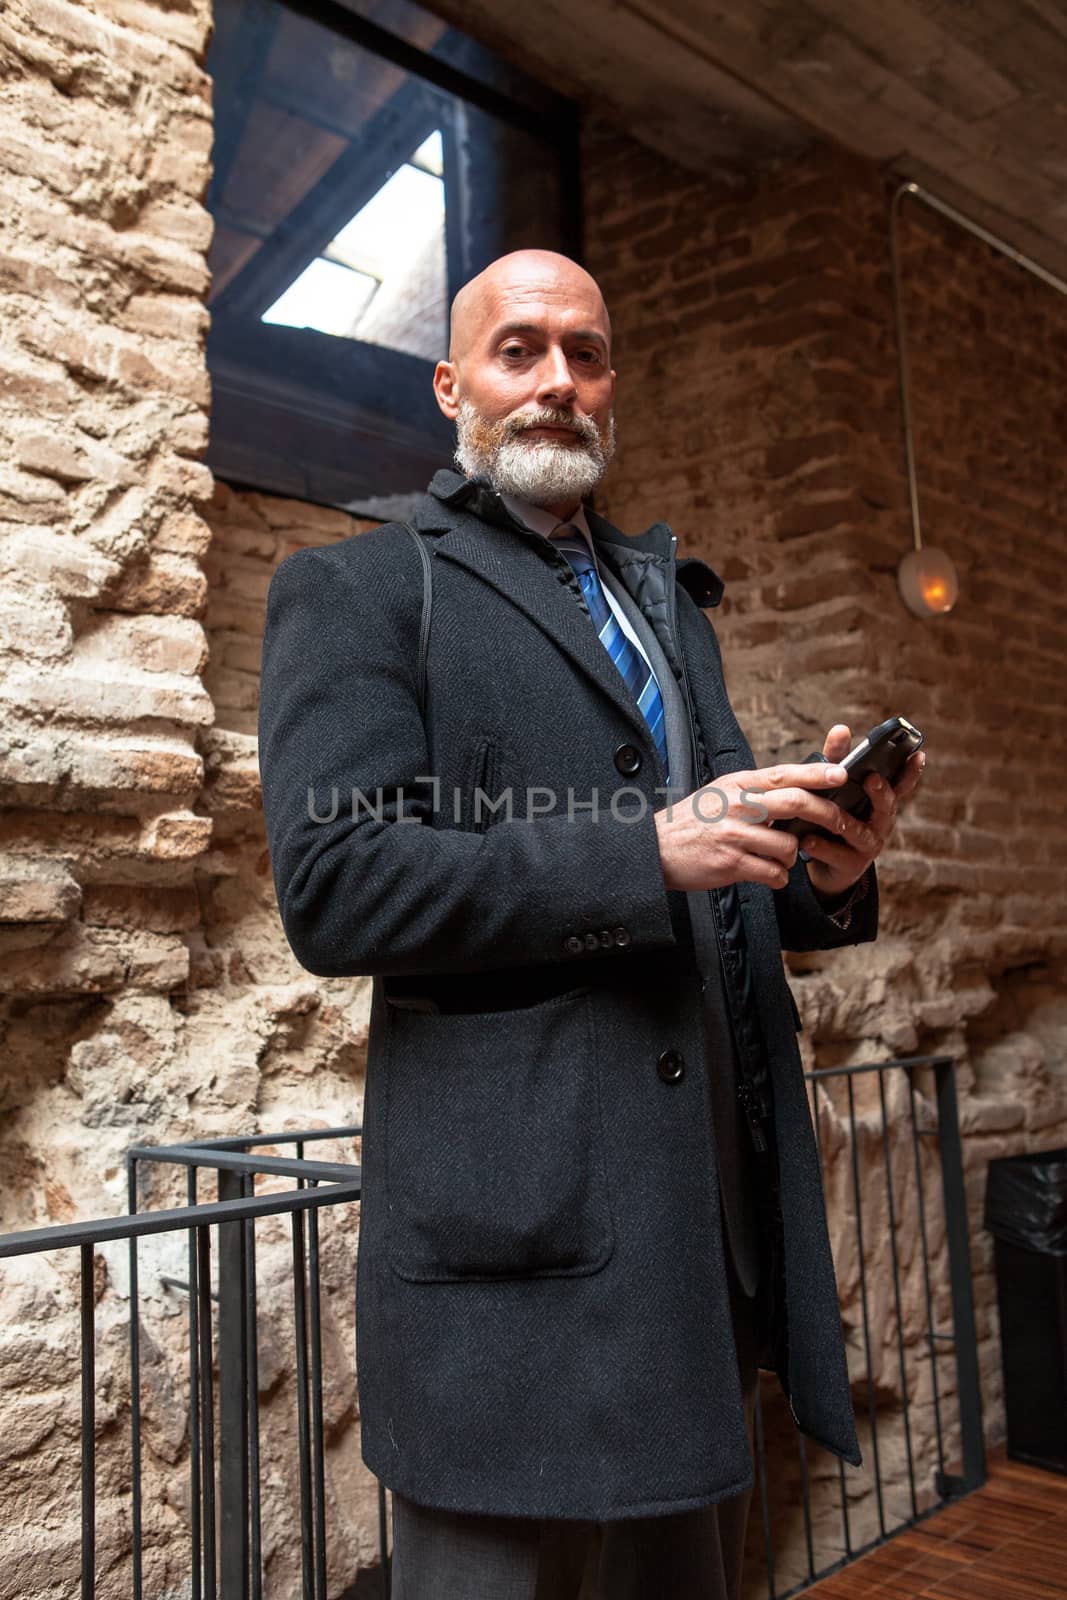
(513, 350)
(587, 356)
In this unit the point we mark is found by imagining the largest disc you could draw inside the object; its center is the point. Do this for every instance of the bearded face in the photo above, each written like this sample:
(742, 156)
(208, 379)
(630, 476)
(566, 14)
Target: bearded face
(545, 470)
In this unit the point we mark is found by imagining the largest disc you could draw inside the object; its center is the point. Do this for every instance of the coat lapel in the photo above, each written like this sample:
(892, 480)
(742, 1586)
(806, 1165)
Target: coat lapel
(479, 533)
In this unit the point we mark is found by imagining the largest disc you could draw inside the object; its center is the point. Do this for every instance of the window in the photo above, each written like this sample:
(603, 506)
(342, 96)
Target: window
(368, 160)
(383, 278)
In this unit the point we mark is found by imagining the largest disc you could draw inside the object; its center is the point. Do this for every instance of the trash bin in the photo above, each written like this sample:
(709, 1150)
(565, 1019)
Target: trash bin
(1026, 1212)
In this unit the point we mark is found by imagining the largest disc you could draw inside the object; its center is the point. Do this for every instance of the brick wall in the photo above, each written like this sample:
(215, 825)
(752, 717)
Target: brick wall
(759, 414)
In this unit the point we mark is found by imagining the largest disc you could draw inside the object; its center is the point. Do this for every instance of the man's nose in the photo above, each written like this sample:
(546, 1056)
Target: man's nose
(554, 380)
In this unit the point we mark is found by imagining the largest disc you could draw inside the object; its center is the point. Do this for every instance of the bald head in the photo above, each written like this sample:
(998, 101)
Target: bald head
(523, 278)
(528, 381)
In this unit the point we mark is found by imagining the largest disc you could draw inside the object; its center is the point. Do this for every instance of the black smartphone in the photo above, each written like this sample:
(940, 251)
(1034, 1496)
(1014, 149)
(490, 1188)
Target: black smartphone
(884, 750)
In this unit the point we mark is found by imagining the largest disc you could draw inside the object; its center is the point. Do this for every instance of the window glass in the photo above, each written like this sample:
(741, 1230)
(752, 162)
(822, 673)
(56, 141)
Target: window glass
(382, 278)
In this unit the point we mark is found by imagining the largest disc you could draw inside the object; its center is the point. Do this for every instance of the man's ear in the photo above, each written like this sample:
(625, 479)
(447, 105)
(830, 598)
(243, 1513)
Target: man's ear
(446, 388)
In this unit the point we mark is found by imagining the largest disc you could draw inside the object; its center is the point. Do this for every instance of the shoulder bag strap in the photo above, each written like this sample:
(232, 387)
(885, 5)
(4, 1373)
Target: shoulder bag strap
(427, 607)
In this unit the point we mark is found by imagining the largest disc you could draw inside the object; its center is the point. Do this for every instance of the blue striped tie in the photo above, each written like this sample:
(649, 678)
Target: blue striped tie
(635, 671)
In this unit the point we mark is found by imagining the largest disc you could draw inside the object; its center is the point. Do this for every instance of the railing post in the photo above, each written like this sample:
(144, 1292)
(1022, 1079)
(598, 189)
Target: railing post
(88, 1418)
(135, 1389)
(965, 1336)
(234, 1552)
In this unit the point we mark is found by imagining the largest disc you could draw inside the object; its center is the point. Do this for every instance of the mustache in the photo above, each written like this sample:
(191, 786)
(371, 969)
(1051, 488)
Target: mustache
(548, 417)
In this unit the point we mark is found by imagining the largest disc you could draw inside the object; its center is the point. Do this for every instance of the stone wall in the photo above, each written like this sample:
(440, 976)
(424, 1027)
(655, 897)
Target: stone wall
(106, 132)
(148, 993)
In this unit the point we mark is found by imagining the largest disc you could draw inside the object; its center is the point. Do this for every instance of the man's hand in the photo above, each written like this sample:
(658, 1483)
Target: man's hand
(838, 863)
(720, 833)
(717, 835)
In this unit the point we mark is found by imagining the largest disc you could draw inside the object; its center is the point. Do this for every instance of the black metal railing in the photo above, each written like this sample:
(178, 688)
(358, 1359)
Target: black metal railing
(890, 1147)
(225, 1555)
(238, 1559)
(896, 1149)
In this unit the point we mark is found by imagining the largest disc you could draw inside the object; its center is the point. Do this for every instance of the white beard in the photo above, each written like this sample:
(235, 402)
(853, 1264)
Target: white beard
(542, 471)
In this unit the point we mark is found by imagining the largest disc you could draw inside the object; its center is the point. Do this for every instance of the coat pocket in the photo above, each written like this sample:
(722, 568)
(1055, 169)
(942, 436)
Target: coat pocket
(480, 798)
(494, 1144)
(484, 788)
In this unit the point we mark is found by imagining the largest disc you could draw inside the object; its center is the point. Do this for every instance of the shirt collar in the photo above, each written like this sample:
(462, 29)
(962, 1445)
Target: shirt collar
(538, 520)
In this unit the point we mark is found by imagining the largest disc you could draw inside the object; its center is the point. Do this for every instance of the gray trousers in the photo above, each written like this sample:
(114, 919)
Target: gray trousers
(688, 1555)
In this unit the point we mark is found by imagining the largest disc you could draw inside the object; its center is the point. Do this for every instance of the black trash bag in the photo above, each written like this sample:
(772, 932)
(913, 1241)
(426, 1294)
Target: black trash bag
(1026, 1201)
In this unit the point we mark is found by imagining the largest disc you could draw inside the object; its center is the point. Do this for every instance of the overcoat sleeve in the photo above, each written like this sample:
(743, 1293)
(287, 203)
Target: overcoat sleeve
(807, 923)
(374, 889)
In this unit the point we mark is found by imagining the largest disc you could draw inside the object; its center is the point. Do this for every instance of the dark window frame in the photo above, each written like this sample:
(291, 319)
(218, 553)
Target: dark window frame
(330, 399)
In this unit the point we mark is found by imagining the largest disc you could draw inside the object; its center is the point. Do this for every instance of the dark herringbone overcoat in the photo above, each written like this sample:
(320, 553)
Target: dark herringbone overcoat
(543, 1325)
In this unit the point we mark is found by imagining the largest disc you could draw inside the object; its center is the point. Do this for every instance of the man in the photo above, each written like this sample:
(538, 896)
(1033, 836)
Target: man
(591, 1192)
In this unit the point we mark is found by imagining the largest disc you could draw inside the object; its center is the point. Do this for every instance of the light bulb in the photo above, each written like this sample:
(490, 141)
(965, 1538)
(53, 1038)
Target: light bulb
(928, 582)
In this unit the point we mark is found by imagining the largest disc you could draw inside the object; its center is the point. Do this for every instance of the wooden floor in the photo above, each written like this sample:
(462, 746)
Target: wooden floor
(1007, 1541)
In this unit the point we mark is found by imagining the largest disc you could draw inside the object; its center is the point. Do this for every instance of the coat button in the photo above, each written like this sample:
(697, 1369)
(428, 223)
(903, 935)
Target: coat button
(592, 941)
(628, 759)
(573, 945)
(606, 937)
(670, 1066)
(622, 936)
